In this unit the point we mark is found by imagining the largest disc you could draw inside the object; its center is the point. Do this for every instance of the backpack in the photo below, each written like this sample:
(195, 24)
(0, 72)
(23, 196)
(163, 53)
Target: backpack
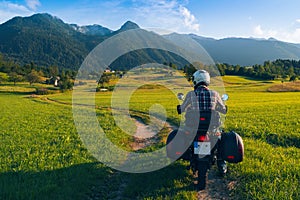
(232, 147)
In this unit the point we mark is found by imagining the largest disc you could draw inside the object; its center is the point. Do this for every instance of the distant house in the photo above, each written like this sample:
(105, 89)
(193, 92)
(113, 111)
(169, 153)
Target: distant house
(107, 70)
(56, 81)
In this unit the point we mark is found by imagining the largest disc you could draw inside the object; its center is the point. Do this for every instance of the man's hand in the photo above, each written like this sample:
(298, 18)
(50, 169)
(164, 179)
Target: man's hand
(218, 133)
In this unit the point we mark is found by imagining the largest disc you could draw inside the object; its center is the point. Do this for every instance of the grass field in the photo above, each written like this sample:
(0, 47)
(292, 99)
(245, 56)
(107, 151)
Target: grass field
(42, 156)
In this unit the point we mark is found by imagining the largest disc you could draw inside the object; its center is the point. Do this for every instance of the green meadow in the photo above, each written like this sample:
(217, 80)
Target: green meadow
(43, 157)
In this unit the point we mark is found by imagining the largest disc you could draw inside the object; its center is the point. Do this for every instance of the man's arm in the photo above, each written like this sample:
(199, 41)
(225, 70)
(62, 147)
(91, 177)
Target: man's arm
(220, 107)
(187, 101)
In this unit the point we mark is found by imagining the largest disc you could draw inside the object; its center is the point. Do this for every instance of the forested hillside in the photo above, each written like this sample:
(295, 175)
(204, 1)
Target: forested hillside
(44, 40)
(48, 41)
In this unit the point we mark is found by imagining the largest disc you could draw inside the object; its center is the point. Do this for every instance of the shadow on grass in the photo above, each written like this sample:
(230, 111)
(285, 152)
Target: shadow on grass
(76, 182)
(280, 140)
(16, 92)
(95, 181)
(283, 140)
(172, 182)
(257, 79)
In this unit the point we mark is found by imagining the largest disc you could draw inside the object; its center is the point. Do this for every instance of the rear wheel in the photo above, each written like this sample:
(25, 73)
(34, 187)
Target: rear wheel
(202, 176)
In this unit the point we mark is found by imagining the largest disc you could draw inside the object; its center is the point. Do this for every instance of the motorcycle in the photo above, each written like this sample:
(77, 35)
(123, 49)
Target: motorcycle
(202, 143)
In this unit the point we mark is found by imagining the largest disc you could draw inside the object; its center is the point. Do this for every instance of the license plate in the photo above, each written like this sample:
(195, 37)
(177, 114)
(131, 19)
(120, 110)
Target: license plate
(202, 148)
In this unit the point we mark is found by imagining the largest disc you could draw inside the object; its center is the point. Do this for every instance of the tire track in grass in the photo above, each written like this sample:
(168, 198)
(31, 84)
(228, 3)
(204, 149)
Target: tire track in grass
(217, 188)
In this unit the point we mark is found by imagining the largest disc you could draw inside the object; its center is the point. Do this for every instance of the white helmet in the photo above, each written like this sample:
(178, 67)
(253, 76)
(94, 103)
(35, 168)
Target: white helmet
(201, 76)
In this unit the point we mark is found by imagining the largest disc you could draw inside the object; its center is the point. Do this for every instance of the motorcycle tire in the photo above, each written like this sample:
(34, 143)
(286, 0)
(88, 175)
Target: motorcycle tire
(202, 176)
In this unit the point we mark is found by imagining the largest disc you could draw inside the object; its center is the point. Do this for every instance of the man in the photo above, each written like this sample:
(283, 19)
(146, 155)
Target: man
(204, 100)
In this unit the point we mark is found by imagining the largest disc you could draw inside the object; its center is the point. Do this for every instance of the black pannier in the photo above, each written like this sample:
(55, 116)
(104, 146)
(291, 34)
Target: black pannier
(175, 148)
(232, 147)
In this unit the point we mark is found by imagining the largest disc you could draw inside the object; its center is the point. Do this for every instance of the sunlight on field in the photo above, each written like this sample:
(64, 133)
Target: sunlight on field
(286, 87)
(42, 154)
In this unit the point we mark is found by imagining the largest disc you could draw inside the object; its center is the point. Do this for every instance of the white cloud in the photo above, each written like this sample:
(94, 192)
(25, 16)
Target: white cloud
(298, 20)
(9, 10)
(9, 6)
(258, 31)
(292, 36)
(266, 33)
(33, 4)
(189, 19)
(170, 14)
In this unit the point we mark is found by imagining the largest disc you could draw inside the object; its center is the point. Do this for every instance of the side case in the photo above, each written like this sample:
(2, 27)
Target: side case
(175, 149)
(232, 147)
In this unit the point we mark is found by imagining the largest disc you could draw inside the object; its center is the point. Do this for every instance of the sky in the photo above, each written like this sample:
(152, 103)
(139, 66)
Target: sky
(218, 19)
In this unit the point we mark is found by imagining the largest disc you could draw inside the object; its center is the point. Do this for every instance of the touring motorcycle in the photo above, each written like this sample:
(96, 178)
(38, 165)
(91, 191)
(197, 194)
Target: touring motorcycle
(202, 142)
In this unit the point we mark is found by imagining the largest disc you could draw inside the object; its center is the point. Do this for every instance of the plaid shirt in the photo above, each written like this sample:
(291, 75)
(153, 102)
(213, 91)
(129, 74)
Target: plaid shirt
(203, 99)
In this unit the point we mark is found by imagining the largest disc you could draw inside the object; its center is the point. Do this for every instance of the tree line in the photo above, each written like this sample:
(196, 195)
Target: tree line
(33, 73)
(269, 70)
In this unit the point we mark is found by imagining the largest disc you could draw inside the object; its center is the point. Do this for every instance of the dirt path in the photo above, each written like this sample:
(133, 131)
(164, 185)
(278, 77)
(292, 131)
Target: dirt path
(217, 188)
(145, 135)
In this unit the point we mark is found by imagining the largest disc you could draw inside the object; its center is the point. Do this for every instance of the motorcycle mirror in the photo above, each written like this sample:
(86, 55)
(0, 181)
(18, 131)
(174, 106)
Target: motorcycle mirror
(225, 97)
(180, 96)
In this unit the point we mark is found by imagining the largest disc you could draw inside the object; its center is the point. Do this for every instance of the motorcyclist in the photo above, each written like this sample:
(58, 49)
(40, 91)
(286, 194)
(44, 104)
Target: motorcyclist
(202, 99)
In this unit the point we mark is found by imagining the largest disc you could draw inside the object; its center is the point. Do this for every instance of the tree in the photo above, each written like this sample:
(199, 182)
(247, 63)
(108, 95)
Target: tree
(14, 77)
(293, 78)
(3, 77)
(34, 77)
(65, 84)
(242, 71)
(237, 69)
(173, 66)
(221, 69)
(290, 71)
(189, 70)
(53, 71)
(104, 79)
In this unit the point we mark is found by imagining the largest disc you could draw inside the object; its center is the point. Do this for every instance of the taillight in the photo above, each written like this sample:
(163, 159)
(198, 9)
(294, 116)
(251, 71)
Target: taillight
(202, 138)
(202, 119)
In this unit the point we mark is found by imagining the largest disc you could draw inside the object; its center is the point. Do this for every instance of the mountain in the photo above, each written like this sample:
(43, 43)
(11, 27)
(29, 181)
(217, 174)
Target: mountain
(44, 40)
(126, 26)
(47, 40)
(129, 25)
(92, 29)
(248, 51)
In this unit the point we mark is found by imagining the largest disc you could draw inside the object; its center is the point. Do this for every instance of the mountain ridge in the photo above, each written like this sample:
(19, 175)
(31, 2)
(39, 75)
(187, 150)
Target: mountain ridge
(47, 40)
(247, 51)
